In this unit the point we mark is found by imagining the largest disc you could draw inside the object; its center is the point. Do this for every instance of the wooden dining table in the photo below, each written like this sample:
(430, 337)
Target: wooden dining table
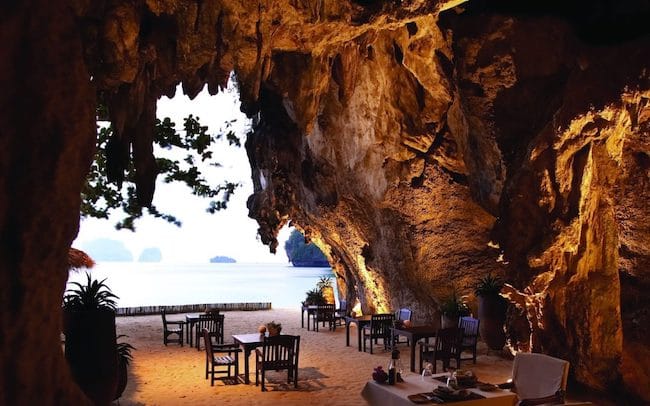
(309, 309)
(413, 334)
(190, 321)
(361, 322)
(248, 342)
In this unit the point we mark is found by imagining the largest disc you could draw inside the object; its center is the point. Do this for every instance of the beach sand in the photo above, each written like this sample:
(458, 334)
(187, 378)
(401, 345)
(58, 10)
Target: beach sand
(329, 372)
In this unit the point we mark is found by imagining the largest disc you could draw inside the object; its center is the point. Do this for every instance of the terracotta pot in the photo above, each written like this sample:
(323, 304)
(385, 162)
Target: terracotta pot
(492, 313)
(328, 294)
(122, 379)
(91, 352)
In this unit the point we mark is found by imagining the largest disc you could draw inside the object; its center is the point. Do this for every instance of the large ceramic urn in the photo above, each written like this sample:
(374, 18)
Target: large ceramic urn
(492, 313)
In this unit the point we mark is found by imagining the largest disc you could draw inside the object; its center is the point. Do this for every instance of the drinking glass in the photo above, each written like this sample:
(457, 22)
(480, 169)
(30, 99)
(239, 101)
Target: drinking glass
(428, 370)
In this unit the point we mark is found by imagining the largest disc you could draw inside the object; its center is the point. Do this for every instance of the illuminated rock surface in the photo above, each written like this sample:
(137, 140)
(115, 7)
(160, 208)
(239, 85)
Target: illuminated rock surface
(419, 149)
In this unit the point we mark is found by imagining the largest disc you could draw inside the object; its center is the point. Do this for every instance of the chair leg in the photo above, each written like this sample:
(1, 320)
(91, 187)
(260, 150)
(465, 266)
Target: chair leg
(474, 354)
(295, 377)
(370, 344)
(212, 373)
(263, 376)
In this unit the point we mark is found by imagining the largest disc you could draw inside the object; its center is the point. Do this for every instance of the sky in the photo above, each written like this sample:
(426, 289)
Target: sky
(228, 232)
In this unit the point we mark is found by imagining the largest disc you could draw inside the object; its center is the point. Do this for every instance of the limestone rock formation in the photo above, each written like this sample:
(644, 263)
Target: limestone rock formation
(419, 144)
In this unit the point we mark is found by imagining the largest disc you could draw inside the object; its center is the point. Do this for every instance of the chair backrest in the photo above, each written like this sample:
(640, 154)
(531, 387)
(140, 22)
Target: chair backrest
(380, 324)
(164, 318)
(538, 375)
(281, 351)
(213, 322)
(404, 314)
(470, 328)
(448, 341)
(208, 344)
(325, 312)
(343, 306)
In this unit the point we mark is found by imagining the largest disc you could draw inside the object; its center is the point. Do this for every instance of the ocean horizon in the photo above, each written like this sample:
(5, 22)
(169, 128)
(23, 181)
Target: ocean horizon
(167, 284)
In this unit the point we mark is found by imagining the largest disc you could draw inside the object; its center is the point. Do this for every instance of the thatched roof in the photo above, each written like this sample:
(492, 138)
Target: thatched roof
(79, 259)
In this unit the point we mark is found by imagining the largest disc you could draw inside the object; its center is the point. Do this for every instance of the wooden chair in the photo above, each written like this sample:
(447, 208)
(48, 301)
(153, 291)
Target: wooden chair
(402, 315)
(229, 360)
(168, 329)
(445, 348)
(470, 336)
(379, 327)
(538, 379)
(325, 314)
(213, 322)
(341, 312)
(278, 353)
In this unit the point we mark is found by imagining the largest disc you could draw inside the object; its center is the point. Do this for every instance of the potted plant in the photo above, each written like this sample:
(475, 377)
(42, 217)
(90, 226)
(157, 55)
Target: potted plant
(491, 311)
(452, 308)
(327, 291)
(90, 342)
(273, 328)
(314, 297)
(124, 357)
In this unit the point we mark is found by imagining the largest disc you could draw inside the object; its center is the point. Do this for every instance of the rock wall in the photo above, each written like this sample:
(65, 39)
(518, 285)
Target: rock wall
(420, 144)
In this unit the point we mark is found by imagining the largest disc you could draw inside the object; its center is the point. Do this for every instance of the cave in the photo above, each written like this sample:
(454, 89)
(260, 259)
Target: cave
(421, 144)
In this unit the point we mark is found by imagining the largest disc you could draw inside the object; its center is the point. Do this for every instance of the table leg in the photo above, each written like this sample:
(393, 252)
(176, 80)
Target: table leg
(359, 336)
(302, 318)
(247, 353)
(412, 354)
(347, 333)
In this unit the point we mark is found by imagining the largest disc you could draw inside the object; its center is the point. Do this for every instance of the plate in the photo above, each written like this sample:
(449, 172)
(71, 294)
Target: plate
(487, 387)
(424, 398)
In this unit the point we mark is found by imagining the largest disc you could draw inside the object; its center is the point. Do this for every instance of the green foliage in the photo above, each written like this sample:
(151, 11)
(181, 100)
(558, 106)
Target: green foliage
(315, 297)
(324, 282)
(100, 197)
(297, 250)
(272, 325)
(454, 306)
(124, 350)
(94, 295)
(488, 285)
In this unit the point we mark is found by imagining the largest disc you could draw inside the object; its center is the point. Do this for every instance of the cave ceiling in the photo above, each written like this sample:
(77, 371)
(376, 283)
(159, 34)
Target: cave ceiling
(422, 144)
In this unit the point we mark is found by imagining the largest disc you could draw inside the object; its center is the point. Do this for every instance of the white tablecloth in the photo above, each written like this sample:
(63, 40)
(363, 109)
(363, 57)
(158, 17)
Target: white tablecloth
(397, 395)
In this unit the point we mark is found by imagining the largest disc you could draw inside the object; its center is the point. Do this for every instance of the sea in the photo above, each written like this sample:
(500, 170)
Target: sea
(155, 284)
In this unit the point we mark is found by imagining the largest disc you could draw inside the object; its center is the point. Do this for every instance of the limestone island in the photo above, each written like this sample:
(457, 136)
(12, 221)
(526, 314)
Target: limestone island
(222, 260)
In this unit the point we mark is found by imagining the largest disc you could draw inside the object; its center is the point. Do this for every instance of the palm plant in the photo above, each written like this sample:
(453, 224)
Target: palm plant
(454, 306)
(315, 297)
(324, 282)
(93, 295)
(488, 285)
(124, 350)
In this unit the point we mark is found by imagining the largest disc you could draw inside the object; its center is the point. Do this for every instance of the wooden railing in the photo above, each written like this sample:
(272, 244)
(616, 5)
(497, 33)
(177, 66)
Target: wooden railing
(190, 308)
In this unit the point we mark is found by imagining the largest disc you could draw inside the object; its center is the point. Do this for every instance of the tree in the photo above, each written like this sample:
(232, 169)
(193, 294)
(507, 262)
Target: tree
(101, 197)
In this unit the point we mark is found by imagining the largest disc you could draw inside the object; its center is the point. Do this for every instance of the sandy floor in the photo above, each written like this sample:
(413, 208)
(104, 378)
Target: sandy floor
(329, 372)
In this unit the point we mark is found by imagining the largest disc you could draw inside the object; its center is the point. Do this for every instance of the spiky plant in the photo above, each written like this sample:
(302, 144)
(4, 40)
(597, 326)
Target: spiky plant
(124, 350)
(93, 295)
(488, 285)
(324, 282)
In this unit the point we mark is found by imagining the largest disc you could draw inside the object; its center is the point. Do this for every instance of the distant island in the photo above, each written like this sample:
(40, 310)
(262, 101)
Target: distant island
(152, 254)
(105, 250)
(222, 260)
(304, 255)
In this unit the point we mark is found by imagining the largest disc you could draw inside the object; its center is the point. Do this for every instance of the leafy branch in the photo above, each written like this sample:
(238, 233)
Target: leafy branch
(100, 197)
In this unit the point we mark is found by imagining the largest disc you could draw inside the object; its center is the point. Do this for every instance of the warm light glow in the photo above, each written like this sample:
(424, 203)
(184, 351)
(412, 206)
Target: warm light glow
(356, 310)
(373, 285)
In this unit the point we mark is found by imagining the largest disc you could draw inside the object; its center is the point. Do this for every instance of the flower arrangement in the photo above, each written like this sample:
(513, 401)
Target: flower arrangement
(273, 328)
